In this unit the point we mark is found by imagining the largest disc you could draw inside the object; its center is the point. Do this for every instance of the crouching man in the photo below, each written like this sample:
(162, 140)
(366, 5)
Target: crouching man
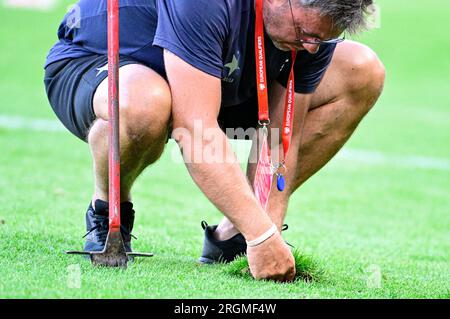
(184, 61)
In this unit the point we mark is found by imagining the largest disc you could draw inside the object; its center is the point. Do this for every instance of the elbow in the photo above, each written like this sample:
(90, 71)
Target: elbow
(187, 129)
(201, 142)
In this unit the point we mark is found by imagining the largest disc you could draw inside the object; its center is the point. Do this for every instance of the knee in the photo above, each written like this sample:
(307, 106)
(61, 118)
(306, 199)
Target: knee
(366, 75)
(145, 102)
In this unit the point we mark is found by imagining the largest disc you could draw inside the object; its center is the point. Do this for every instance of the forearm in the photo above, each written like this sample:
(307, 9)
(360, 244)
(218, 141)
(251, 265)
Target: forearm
(222, 181)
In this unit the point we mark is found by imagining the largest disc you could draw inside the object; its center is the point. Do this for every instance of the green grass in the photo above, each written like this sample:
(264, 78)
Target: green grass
(307, 268)
(351, 218)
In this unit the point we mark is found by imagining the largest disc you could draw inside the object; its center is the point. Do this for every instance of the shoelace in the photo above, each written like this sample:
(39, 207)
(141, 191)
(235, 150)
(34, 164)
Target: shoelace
(283, 228)
(100, 223)
(105, 228)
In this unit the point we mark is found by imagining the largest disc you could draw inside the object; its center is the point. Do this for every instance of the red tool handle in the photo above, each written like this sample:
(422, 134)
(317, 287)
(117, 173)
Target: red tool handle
(113, 112)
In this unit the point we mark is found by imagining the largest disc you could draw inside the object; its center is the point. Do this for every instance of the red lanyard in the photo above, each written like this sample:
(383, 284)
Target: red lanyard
(261, 80)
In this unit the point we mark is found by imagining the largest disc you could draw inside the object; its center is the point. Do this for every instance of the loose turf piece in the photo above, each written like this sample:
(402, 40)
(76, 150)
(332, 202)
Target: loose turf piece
(308, 269)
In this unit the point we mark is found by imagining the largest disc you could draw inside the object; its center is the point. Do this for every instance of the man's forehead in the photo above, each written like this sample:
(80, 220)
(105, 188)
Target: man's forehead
(313, 23)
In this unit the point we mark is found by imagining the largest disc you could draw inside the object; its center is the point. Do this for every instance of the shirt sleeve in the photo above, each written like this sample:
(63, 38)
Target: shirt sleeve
(195, 31)
(309, 69)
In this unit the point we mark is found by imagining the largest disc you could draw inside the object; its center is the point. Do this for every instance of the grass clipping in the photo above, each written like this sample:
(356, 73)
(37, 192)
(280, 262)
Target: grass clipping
(308, 269)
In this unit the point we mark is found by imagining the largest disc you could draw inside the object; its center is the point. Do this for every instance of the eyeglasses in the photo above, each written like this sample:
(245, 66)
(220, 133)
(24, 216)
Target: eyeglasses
(301, 34)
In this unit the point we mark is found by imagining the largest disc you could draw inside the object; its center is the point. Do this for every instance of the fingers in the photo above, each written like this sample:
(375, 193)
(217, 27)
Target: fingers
(290, 276)
(272, 260)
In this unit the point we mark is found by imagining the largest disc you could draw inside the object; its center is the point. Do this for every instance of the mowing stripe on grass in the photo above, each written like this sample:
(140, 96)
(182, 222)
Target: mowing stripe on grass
(366, 157)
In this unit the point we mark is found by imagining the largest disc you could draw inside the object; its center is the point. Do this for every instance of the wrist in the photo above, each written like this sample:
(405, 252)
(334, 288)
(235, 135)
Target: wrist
(263, 237)
(256, 226)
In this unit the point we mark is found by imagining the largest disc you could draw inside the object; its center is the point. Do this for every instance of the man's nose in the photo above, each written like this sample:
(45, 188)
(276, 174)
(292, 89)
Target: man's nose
(311, 48)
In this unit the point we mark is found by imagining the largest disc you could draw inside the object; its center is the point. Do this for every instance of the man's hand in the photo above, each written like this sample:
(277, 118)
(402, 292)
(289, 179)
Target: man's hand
(272, 260)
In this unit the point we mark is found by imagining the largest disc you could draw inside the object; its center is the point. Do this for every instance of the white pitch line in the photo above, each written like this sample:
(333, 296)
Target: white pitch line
(44, 5)
(28, 124)
(378, 158)
(365, 157)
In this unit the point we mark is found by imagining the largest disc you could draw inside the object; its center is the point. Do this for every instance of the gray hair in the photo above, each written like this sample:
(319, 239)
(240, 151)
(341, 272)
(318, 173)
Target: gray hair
(347, 15)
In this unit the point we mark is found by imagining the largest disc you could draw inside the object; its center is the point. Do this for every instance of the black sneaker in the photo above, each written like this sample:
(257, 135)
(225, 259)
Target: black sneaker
(215, 251)
(226, 251)
(97, 225)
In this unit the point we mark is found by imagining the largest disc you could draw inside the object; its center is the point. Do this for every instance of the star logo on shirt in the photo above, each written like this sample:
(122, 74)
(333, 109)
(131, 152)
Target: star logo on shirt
(102, 69)
(233, 65)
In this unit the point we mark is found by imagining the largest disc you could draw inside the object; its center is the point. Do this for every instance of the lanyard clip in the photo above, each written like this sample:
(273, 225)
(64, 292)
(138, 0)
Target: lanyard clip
(279, 170)
(264, 123)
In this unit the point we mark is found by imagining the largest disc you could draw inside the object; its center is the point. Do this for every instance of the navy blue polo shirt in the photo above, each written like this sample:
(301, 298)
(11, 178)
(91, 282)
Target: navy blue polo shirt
(215, 36)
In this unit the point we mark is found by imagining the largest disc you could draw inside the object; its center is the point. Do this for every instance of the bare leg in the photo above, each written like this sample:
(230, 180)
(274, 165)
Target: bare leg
(349, 89)
(145, 108)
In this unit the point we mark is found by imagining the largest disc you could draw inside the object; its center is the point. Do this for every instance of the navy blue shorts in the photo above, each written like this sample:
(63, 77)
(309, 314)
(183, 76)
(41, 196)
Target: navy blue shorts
(71, 84)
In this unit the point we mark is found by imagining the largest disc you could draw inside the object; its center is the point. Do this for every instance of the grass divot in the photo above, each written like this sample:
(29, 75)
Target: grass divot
(308, 268)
